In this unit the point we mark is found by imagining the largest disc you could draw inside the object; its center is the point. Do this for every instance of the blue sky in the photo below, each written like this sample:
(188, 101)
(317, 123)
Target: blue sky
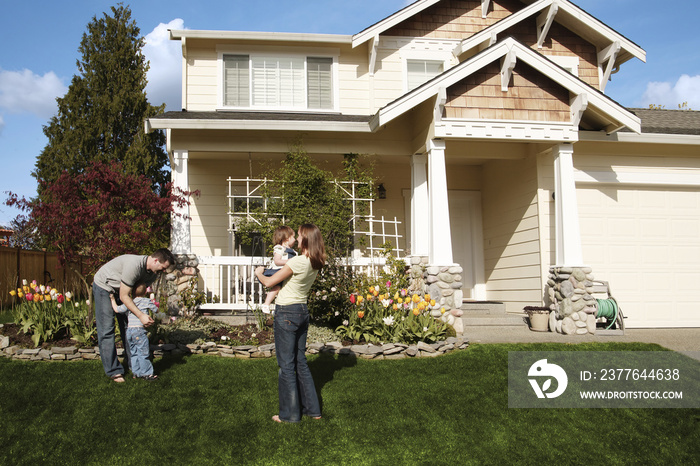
(45, 35)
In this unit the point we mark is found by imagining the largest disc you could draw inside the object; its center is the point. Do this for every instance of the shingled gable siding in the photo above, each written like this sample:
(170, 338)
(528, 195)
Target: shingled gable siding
(560, 42)
(531, 97)
(453, 19)
(511, 233)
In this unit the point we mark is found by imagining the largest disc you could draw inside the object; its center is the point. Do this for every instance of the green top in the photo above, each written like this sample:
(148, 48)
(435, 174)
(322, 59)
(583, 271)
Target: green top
(296, 289)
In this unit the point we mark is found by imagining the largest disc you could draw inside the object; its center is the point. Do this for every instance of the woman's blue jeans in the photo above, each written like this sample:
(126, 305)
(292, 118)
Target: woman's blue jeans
(104, 316)
(297, 393)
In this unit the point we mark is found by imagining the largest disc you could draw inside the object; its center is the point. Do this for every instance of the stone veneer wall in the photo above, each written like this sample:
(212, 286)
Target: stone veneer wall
(574, 309)
(175, 281)
(444, 284)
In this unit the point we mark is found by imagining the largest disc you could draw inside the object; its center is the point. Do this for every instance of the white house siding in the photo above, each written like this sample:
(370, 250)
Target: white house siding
(202, 79)
(643, 237)
(511, 233)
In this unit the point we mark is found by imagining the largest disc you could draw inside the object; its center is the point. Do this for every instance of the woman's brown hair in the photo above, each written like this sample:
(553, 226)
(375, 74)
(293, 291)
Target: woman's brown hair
(311, 244)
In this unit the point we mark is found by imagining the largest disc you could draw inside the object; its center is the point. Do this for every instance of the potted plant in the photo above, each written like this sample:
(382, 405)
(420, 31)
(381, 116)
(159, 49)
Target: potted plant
(538, 318)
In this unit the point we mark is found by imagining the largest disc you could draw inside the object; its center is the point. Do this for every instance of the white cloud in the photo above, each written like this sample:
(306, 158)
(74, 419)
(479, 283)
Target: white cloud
(26, 92)
(165, 74)
(686, 89)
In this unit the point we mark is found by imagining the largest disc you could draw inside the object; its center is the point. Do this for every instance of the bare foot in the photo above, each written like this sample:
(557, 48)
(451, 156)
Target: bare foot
(276, 418)
(118, 378)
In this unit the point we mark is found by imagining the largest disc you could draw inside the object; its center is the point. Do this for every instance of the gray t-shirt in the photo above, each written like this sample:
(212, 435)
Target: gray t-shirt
(129, 268)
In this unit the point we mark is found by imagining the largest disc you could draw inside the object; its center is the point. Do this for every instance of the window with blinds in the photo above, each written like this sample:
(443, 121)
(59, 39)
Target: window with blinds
(422, 71)
(320, 85)
(278, 82)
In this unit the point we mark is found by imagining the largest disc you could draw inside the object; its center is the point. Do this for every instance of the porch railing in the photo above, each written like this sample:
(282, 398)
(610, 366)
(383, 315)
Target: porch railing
(231, 282)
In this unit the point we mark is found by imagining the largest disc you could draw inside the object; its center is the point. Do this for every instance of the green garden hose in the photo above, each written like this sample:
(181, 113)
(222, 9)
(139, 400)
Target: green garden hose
(608, 309)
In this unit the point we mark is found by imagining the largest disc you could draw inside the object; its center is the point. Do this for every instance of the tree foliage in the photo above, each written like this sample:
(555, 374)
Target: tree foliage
(101, 117)
(99, 214)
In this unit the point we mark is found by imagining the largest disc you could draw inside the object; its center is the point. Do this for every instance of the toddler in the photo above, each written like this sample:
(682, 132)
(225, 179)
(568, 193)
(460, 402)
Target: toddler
(281, 253)
(136, 335)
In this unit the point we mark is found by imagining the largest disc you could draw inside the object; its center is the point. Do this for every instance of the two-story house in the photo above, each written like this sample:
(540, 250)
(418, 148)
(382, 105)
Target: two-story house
(492, 136)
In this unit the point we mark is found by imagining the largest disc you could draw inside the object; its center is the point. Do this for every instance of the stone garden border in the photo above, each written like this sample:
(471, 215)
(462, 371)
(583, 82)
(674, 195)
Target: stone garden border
(368, 351)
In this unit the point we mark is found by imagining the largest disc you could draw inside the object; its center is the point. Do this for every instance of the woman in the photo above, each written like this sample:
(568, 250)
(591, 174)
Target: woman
(297, 394)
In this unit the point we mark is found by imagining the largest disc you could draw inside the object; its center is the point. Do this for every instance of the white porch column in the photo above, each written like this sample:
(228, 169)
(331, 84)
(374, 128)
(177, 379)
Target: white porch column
(568, 234)
(420, 230)
(180, 238)
(440, 233)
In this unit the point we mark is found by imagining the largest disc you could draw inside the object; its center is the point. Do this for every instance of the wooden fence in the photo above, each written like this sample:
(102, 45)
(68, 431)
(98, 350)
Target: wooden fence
(44, 267)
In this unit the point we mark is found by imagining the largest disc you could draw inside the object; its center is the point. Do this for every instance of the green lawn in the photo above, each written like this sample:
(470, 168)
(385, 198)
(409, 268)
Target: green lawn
(209, 410)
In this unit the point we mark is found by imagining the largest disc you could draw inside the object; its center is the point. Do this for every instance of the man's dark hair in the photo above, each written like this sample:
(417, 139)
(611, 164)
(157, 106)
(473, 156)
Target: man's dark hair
(164, 255)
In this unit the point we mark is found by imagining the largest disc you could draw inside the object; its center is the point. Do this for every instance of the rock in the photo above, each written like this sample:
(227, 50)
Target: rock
(457, 312)
(432, 270)
(567, 289)
(579, 275)
(559, 326)
(568, 326)
(575, 316)
(425, 347)
(446, 277)
(552, 322)
(591, 323)
(459, 327)
(455, 270)
(565, 308)
(412, 351)
(4, 342)
(581, 331)
(581, 323)
(582, 315)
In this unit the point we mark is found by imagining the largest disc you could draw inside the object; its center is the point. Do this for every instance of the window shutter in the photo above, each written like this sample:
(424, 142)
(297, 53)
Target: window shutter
(320, 84)
(236, 80)
(278, 82)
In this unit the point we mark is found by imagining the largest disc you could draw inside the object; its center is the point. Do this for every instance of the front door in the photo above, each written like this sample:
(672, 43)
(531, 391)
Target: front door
(467, 241)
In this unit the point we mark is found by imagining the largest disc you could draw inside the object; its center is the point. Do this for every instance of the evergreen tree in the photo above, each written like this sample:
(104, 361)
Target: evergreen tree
(101, 117)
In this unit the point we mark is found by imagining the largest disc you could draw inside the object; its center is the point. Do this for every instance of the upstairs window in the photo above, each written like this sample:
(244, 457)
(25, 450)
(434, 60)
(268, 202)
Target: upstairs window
(422, 71)
(278, 82)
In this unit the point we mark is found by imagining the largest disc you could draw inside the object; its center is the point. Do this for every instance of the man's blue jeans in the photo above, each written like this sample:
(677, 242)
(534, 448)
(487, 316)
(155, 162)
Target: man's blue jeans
(104, 316)
(297, 393)
(139, 349)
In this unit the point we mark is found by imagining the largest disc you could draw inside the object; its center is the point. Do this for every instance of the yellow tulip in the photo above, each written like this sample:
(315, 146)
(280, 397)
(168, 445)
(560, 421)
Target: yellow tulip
(432, 302)
(37, 298)
(442, 310)
(416, 312)
(399, 300)
(427, 296)
(47, 297)
(395, 306)
(396, 296)
(416, 298)
(13, 293)
(20, 294)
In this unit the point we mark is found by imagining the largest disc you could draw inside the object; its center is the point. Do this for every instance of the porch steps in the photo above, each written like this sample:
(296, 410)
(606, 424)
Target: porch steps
(489, 313)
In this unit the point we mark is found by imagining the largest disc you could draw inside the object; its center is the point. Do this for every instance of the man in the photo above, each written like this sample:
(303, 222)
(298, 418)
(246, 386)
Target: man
(119, 277)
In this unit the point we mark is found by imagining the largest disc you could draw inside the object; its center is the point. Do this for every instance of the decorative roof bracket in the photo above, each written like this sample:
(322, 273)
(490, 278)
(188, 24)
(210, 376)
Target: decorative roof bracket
(578, 106)
(485, 7)
(507, 65)
(373, 48)
(609, 55)
(440, 104)
(544, 22)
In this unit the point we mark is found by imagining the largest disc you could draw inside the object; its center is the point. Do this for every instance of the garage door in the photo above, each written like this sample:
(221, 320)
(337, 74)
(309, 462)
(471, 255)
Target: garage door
(646, 243)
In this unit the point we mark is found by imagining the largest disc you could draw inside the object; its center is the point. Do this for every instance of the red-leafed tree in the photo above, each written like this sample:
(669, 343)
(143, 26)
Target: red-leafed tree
(99, 214)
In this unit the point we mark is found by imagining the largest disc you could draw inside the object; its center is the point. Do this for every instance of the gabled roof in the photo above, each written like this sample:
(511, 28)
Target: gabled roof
(571, 16)
(604, 106)
(391, 21)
